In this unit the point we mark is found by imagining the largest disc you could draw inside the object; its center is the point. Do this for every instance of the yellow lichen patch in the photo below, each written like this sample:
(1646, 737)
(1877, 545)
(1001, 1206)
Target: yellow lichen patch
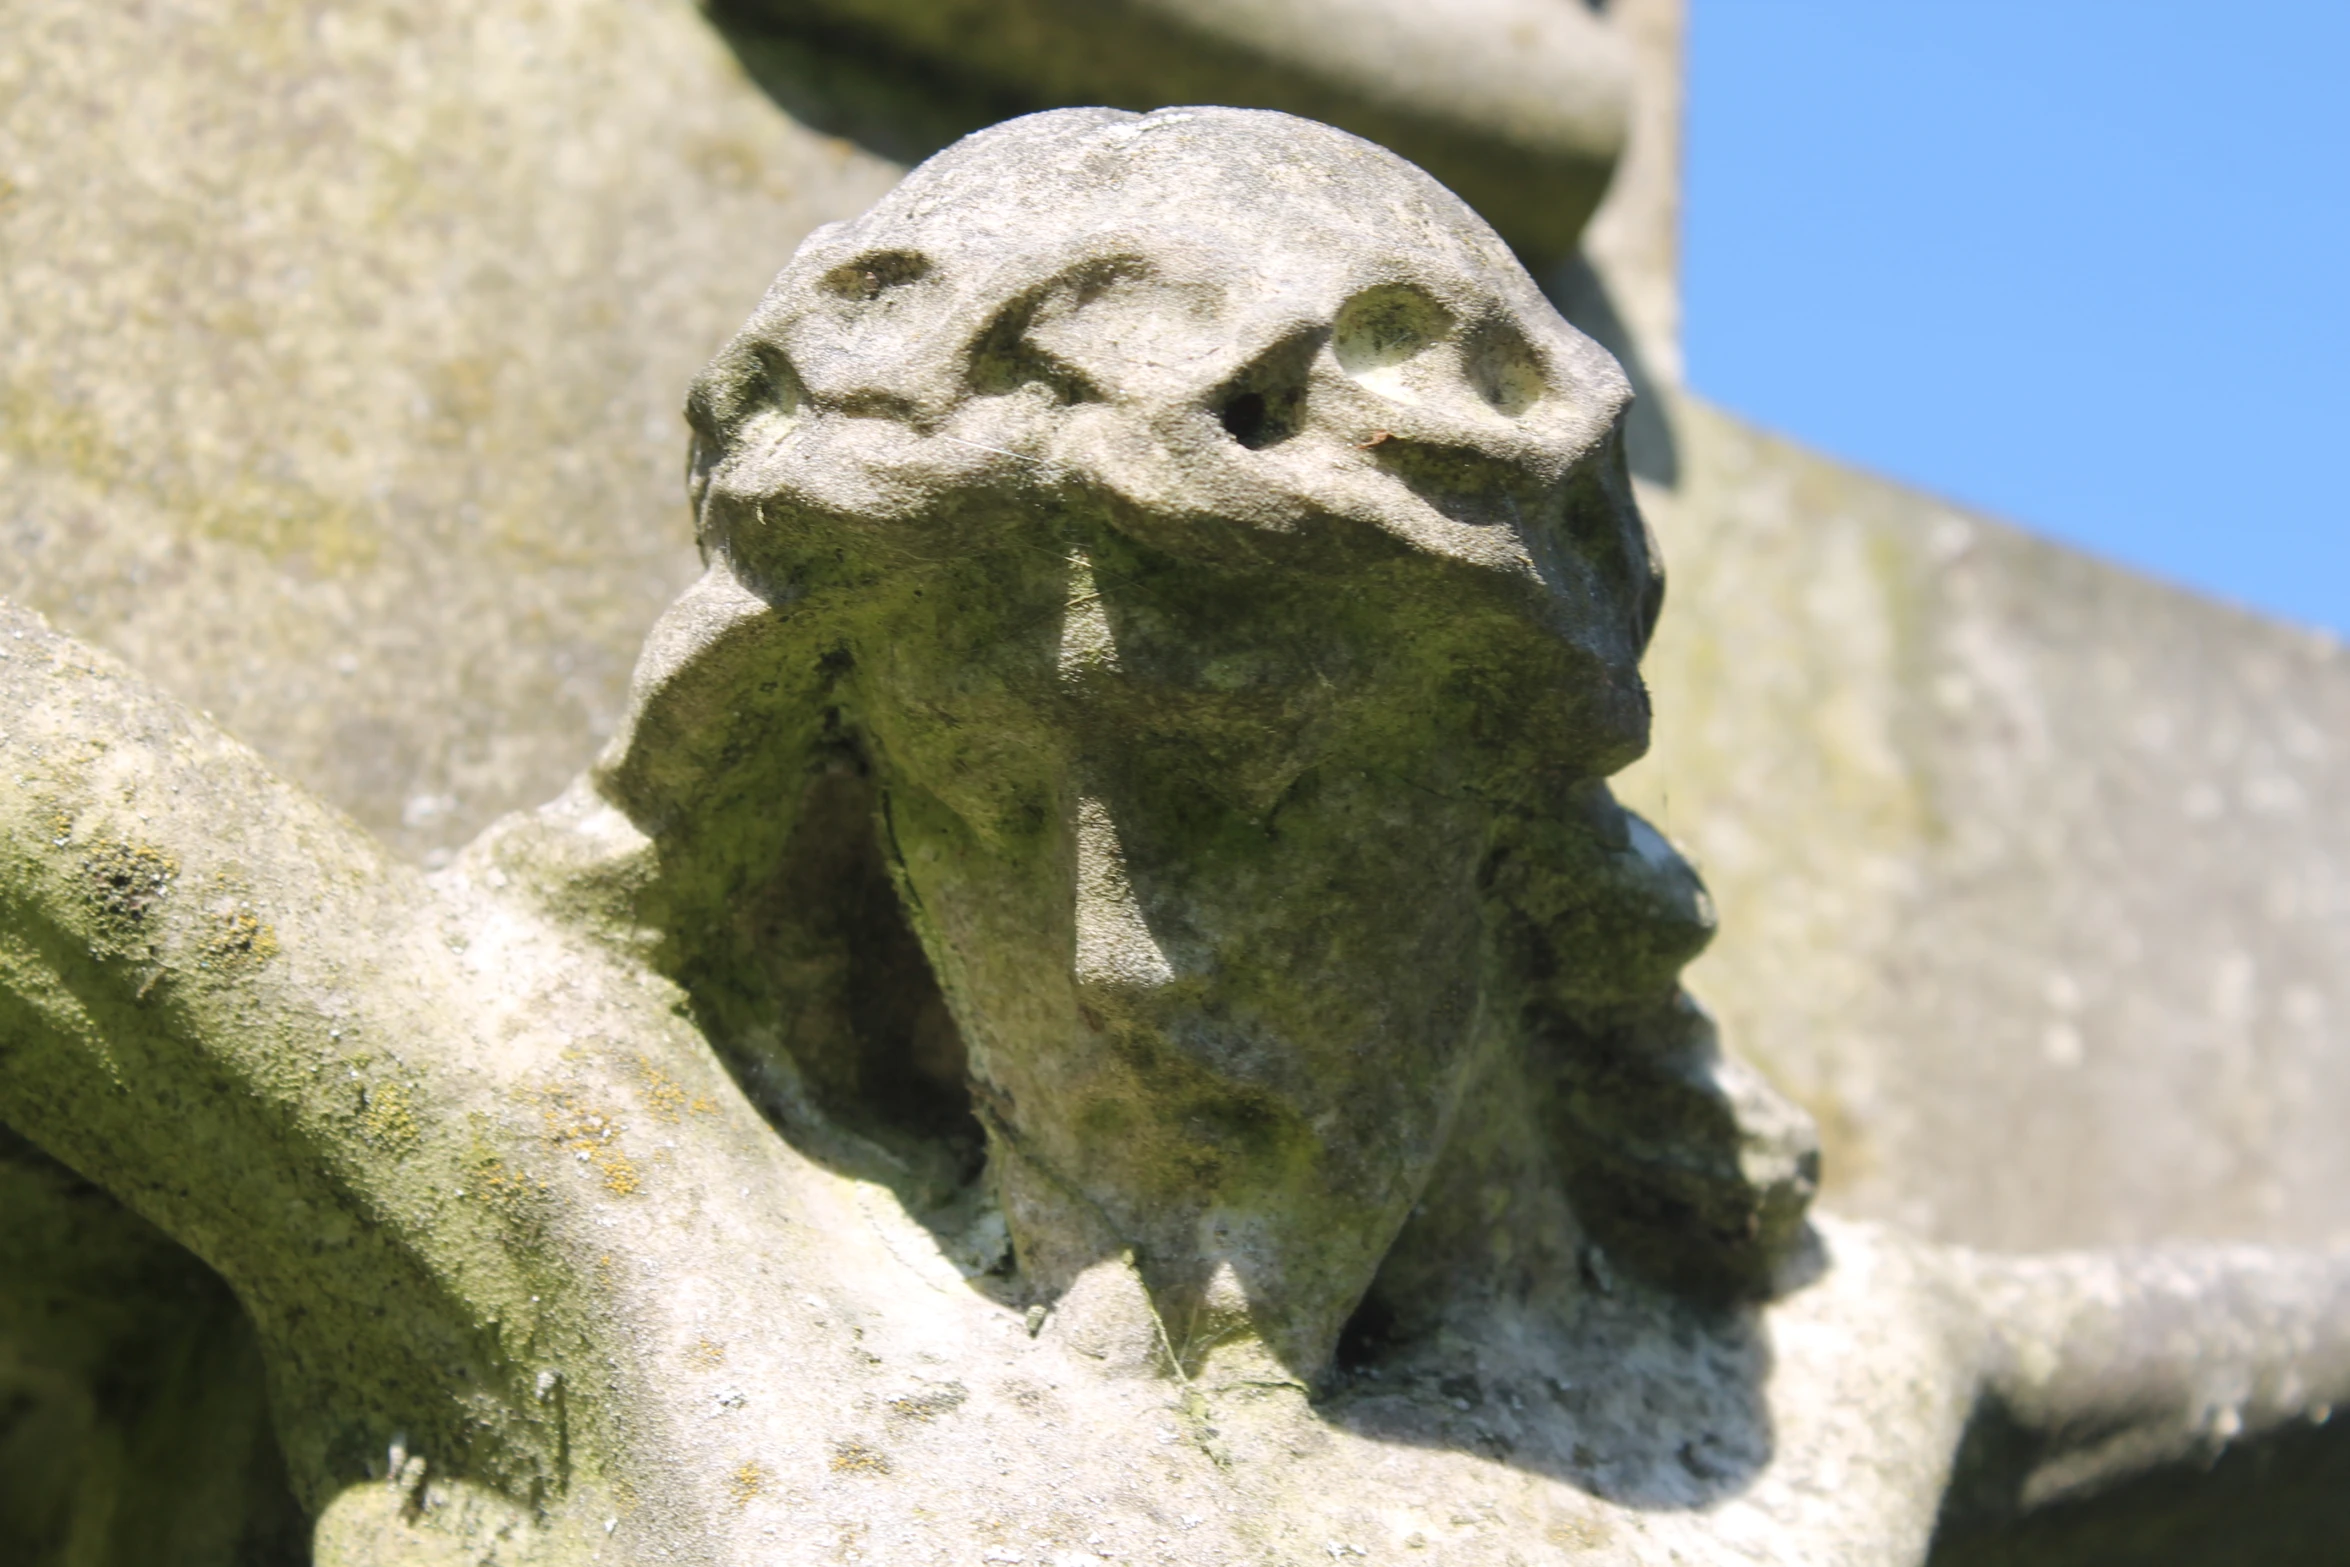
(620, 1177)
(857, 1458)
(704, 1105)
(589, 1135)
(707, 1353)
(387, 1118)
(574, 1127)
(233, 937)
(663, 1097)
(745, 1484)
(928, 1404)
(1577, 1533)
(509, 1193)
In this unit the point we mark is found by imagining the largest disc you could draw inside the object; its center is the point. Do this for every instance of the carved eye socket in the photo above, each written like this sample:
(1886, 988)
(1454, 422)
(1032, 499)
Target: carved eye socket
(1244, 419)
(1380, 331)
(1504, 370)
(871, 276)
(1261, 418)
(764, 404)
(776, 385)
(752, 384)
(1266, 403)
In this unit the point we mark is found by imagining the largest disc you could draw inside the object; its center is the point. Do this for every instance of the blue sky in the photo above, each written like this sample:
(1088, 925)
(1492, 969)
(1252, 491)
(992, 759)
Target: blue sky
(2082, 263)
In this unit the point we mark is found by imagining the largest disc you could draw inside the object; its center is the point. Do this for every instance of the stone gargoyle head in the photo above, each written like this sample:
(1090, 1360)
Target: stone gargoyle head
(1204, 564)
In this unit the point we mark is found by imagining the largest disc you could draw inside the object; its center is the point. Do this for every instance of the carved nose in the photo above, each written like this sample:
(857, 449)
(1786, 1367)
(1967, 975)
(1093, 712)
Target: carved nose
(1600, 529)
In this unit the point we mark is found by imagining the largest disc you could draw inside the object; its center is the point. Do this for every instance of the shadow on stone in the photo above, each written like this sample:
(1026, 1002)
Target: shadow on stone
(1639, 1399)
(1498, 1325)
(832, 1021)
(847, 83)
(2280, 1498)
(134, 1422)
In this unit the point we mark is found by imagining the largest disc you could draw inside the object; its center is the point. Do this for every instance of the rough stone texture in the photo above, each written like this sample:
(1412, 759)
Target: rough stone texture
(341, 354)
(342, 359)
(631, 1323)
(2034, 876)
(1051, 579)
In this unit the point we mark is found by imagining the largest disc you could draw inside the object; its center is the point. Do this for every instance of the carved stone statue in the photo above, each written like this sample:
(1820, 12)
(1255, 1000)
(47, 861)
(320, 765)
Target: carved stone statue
(1098, 1008)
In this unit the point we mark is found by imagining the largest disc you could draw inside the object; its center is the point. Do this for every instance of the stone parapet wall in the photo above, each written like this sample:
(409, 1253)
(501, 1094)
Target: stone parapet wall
(2033, 873)
(344, 357)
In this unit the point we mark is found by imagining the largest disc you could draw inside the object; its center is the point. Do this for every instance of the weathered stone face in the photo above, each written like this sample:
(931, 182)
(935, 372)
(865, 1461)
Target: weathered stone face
(1220, 551)
(1213, 319)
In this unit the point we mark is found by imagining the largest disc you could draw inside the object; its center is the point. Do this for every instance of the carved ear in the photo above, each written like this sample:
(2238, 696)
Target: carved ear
(1612, 512)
